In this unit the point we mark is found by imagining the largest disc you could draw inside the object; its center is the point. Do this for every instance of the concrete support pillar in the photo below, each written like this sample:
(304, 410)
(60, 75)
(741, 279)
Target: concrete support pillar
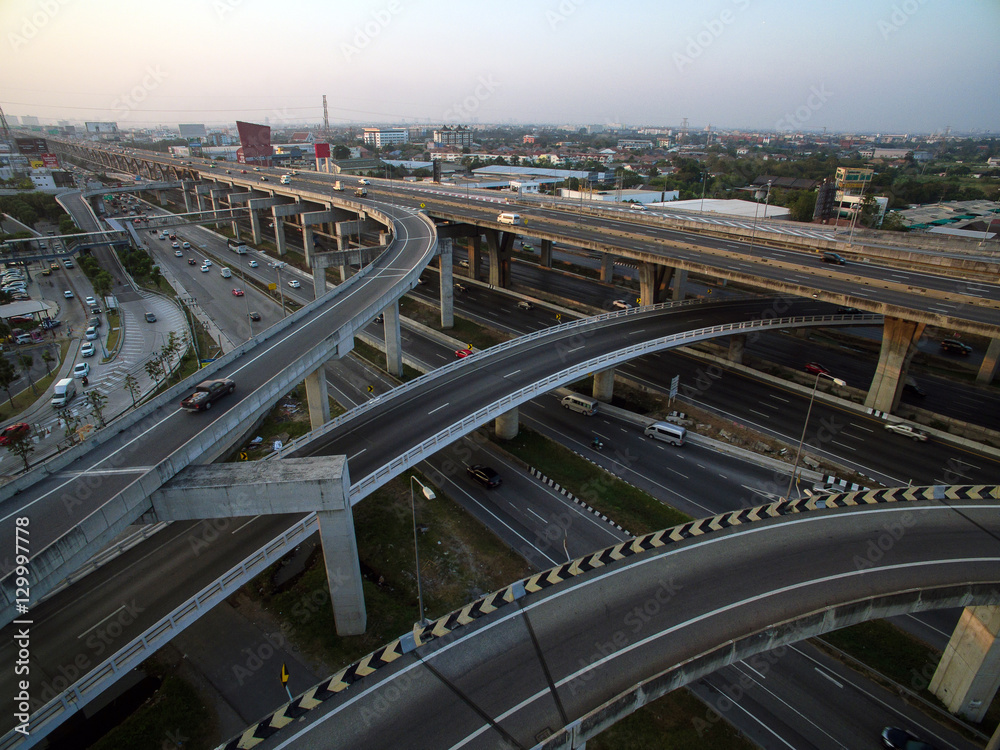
(736, 346)
(994, 743)
(255, 227)
(343, 572)
(654, 280)
(507, 425)
(187, 198)
(498, 245)
(607, 268)
(988, 369)
(308, 244)
(899, 338)
(677, 288)
(968, 674)
(317, 399)
(447, 291)
(604, 385)
(547, 253)
(393, 340)
(197, 198)
(160, 197)
(475, 256)
(279, 232)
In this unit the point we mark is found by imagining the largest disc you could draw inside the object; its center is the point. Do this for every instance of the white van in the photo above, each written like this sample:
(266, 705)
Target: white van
(509, 218)
(668, 433)
(581, 404)
(286, 179)
(226, 273)
(64, 393)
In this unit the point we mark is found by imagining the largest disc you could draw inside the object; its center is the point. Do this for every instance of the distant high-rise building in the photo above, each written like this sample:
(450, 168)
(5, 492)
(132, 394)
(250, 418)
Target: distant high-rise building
(29, 120)
(379, 137)
(456, 136)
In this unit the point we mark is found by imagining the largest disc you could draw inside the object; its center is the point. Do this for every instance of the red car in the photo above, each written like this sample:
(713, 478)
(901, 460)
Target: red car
(14, 432)
(237, 292)
(463, 353)
(816, 368)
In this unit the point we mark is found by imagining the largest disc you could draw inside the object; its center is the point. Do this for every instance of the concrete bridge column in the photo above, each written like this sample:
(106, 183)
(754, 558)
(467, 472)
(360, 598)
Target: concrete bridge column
(547, 253)
(968, 674)
(309, 246)
(475, 253)
(899, 338)
(447, 281)
(677, 288)
(393, 340)
(197, 198)
(737, 344)
(607, 268)
(255, 236)
(507, 425)
(498, 245)
(159, 197)
(654, 280)
(343, 571)
(988, 369)
(279, 231)
(604, 385)
(316, 397)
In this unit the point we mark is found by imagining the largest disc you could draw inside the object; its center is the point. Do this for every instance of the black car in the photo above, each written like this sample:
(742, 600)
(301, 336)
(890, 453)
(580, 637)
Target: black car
(192, 262)
(255, 315)
(956, 347)
(903, 740)
(834, 258)
(485, 476)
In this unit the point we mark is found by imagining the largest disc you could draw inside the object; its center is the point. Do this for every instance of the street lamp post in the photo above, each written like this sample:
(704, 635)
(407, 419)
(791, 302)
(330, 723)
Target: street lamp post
(429, 494)
(753, 233)
(805, 426)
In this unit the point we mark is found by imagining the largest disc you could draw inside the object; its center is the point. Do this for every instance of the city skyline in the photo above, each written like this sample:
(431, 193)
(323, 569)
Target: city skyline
(863, 67)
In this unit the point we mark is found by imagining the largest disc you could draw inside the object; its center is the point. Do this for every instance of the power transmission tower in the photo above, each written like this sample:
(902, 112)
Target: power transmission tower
(326, 117)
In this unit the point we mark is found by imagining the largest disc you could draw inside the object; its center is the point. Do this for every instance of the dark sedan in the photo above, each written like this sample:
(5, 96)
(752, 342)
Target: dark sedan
(485, 476)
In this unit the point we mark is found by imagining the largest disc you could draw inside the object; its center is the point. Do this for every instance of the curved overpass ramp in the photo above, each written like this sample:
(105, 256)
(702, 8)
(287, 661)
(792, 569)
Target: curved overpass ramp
(554, 659)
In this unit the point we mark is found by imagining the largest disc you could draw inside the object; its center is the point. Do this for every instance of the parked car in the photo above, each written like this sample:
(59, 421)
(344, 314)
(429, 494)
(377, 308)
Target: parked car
(815, 368)
(90, 334)
(954, 346)
(485, 476)
(907, 430)
(14, 432)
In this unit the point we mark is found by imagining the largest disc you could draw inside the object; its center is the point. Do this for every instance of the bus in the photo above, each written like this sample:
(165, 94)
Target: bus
(238, 247)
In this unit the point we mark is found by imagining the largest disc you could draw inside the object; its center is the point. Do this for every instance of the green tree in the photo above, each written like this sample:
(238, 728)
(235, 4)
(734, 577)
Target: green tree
(802, 207)
(341, 152)
(894, 222)
(71, 425)
(154, 368)
(48, 359)
(102, 283)
(8, 374)
(97, 401)
(22, 446)
(26, 361)
(131, 384)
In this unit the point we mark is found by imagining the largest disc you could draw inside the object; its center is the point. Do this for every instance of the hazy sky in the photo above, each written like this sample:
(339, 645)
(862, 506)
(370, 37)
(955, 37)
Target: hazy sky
(850, 65)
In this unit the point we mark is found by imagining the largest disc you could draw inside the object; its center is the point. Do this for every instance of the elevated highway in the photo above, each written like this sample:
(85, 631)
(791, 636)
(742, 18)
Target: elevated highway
(554, 659)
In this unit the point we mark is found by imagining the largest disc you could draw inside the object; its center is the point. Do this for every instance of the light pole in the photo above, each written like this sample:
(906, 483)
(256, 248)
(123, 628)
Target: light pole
(753, 234)
(278, 265)
(857, 209)
(429, 494)
(798, 451)
(704, 181)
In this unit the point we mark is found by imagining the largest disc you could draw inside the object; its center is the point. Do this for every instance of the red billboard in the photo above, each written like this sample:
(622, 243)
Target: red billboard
(51, 161)
(255, 144)
(322, 150)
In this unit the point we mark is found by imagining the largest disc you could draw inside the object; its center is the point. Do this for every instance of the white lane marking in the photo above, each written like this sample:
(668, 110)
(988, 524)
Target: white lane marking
(829, 677)
(351, 458)
(540, 518)
(437, 409)
(98, 624)
(243, 526)
(512, 373)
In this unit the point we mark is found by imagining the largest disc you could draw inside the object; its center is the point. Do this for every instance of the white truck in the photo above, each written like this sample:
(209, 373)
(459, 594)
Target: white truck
(338, 186)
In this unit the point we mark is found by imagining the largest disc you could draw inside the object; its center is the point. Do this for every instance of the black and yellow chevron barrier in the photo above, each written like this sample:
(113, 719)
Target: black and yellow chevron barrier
(447, 625)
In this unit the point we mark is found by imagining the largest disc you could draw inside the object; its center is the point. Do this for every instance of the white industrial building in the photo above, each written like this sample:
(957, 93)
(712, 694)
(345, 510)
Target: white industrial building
(379, 137)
